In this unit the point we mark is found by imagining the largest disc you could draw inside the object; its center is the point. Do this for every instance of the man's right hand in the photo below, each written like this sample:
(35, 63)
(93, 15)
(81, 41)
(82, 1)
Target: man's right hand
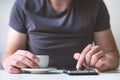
(20, 59)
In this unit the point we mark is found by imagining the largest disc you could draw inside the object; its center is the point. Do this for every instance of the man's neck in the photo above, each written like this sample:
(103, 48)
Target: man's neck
(60, 5)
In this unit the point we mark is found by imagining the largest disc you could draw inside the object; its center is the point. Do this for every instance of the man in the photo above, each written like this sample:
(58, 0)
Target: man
(61, 29)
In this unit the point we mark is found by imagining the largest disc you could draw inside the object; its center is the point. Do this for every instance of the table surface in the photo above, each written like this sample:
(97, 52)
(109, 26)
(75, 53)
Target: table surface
(58, 75)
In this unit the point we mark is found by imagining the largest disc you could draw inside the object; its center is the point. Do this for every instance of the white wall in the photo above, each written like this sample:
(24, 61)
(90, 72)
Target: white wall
(114, 10)
(5, 6)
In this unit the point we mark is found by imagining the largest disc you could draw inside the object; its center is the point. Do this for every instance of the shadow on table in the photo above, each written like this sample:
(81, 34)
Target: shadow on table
(43, 73)
(112, 71)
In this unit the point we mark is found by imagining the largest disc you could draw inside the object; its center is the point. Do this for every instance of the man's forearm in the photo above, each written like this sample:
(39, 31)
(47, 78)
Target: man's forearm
(113, 59)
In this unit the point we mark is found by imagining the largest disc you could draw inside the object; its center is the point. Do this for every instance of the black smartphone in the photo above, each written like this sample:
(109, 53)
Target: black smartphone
(80, 72)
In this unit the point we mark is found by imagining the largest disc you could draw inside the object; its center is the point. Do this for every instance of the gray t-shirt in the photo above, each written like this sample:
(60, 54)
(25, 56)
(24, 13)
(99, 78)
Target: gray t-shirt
(59, 34)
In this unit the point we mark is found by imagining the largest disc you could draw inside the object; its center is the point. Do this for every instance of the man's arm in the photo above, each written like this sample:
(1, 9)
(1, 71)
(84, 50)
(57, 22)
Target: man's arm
(15, 56)
(102, 56)
(15, 41)
(107, 43)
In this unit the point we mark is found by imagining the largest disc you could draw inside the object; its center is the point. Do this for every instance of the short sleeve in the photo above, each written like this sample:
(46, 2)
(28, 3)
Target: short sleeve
(103, 18)
(17, 17)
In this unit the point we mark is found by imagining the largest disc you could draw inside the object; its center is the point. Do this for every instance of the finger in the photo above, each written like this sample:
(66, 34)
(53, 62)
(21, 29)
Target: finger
(82, 57)
(96, 57)
(28, 55)
(93, 50)
(13, 70)
(18, 64)
(26, 61)
(100, 65)
(76, 56)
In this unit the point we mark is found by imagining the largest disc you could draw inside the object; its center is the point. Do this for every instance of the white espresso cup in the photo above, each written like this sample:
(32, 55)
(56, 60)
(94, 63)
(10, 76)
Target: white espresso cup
(43, 61)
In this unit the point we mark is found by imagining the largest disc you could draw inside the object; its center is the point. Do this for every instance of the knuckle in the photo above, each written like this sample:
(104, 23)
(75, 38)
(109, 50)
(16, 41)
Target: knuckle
(10, 69)
(23, 52)
(100, 63)
(97, 47)
(88, 55)
(97, 66)
(22, 58)
(26, 52)
(16, 62)
(18, 51)
(31, 64)
(32, 57)
(95, 57)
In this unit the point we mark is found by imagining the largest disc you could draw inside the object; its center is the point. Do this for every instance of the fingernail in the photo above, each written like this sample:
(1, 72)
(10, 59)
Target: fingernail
(78, 67)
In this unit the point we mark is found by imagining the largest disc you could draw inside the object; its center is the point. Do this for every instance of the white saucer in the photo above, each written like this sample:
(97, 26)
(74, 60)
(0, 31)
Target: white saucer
(38, 70)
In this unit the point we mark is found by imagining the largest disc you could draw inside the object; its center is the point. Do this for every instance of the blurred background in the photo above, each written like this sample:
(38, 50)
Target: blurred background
(5, 8)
